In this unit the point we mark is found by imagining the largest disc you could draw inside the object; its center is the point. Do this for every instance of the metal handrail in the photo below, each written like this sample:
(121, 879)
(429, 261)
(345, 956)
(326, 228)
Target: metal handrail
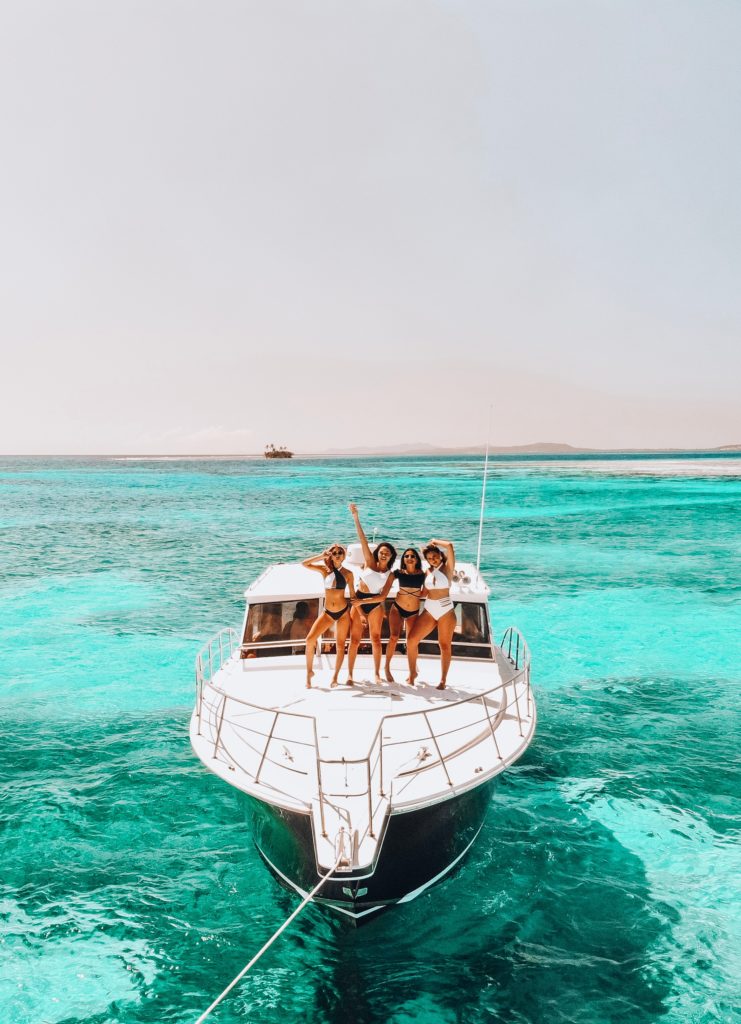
(448, 732)
(475, 697)
(513, 635)
(386, 718)
(206, 654)
(223, 646)
(263, 645)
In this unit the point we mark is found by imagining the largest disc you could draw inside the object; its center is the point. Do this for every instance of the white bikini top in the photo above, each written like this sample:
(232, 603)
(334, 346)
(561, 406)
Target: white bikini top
(374, 581)
(435, 579)
(334, 580)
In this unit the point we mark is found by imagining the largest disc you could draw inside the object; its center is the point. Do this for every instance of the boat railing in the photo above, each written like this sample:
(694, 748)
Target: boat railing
(327, 644)
(372, 776)
(513, 639)
(520, 659)
(440, 727)
(210, 659)
(270, 735)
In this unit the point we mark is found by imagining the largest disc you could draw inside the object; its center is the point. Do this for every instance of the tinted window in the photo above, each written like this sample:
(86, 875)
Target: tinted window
(276, 624)
(471, 636)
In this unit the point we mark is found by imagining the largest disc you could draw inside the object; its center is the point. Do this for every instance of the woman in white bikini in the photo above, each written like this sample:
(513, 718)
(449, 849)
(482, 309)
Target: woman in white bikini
(375, 583)
(336, 606)
(438, 610)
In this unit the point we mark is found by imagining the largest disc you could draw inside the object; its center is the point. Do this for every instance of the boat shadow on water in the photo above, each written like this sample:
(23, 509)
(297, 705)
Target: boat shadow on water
(548, 915)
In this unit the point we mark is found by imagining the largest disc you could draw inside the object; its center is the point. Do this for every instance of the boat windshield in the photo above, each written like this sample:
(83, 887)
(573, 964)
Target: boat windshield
(471, 637)
(278, 627)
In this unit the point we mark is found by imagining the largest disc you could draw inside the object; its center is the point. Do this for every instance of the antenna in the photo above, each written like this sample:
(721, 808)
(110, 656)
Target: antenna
(483, 494)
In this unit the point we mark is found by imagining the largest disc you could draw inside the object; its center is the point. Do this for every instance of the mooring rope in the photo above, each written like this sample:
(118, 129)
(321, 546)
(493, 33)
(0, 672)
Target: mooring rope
(271, 940)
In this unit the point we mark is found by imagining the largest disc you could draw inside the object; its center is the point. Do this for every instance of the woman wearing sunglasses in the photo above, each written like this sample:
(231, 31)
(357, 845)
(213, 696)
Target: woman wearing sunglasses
(405, 608)
(438, 610)
(336, 606)
(375, 582)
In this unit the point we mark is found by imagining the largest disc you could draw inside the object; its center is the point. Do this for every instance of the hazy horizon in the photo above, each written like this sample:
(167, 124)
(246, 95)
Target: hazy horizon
(546, 449)
(329, 226)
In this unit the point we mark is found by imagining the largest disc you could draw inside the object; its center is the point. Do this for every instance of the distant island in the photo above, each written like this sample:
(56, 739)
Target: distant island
(271, 452)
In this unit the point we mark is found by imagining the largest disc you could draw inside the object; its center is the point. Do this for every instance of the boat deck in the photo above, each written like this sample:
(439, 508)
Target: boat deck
(349, 755)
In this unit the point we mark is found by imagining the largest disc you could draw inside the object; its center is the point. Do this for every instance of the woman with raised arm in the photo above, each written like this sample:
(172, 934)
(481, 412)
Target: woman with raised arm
(405, 608)
(336, 607)
(375, 582)
(438, 610)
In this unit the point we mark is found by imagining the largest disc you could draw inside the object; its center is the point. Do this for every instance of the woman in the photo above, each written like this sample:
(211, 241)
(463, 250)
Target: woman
(438, 609)
(375, 583)
(405, 608)
(336, 607)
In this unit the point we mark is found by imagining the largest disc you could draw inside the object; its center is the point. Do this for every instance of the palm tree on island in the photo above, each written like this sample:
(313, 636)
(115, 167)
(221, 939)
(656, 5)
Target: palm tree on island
(271, 452)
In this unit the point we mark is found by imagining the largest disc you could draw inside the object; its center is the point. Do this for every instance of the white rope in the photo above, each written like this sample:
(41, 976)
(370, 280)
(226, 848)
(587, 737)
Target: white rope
(271, 940)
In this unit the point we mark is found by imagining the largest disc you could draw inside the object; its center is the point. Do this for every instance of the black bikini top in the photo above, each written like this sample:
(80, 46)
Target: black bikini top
(339, 582)
(409, 579)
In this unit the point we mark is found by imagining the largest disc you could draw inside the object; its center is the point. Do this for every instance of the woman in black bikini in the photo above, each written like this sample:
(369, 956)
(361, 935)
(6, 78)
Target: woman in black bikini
(336, 606)
(405, 608)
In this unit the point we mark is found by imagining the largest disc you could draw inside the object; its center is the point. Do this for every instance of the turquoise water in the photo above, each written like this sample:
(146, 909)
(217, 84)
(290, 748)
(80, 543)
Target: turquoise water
(604, 885)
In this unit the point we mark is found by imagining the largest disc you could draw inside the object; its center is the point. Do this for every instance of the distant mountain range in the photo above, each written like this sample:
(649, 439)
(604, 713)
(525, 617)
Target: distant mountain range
(539, 448)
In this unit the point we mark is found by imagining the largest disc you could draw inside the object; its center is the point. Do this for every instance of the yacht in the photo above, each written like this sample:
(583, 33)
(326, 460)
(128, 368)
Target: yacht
(381, 790)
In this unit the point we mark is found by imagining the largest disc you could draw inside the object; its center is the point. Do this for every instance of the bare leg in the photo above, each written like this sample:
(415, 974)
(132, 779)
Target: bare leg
(356, 634)
(343, 628)
(423, 625)
(375, 621)
(445, 629)
(314, 633)
(395, 626)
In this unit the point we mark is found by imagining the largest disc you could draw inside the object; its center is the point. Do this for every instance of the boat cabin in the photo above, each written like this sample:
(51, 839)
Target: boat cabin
(284, 603)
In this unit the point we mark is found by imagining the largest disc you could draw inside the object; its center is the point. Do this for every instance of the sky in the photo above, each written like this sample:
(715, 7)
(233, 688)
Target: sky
(328, 224)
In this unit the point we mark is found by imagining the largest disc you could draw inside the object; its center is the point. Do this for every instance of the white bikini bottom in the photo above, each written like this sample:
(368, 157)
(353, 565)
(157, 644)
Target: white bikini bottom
(437, 607)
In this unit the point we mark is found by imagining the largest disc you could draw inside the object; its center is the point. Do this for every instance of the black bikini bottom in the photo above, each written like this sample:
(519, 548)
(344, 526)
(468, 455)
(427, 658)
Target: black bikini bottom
(339, 614)
(368, 608)
(405, 612)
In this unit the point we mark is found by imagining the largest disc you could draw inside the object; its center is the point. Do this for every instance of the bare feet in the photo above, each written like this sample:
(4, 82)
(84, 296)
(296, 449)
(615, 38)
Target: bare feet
(441, 686)
(350, 682)
(410, 680)
(378, 680)
(333, 684)
(389, 677)
(308, 680)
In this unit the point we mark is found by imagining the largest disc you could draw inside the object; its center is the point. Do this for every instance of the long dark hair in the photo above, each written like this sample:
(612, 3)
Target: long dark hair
(418, 566)
(385, 544)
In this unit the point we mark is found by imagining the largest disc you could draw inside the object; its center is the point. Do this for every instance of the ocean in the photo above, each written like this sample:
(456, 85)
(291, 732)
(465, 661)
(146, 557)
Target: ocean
(604, 886)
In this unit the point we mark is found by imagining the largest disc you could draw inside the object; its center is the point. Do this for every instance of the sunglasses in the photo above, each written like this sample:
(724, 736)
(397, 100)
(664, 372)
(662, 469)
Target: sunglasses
(337, 551)
(410, 558)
